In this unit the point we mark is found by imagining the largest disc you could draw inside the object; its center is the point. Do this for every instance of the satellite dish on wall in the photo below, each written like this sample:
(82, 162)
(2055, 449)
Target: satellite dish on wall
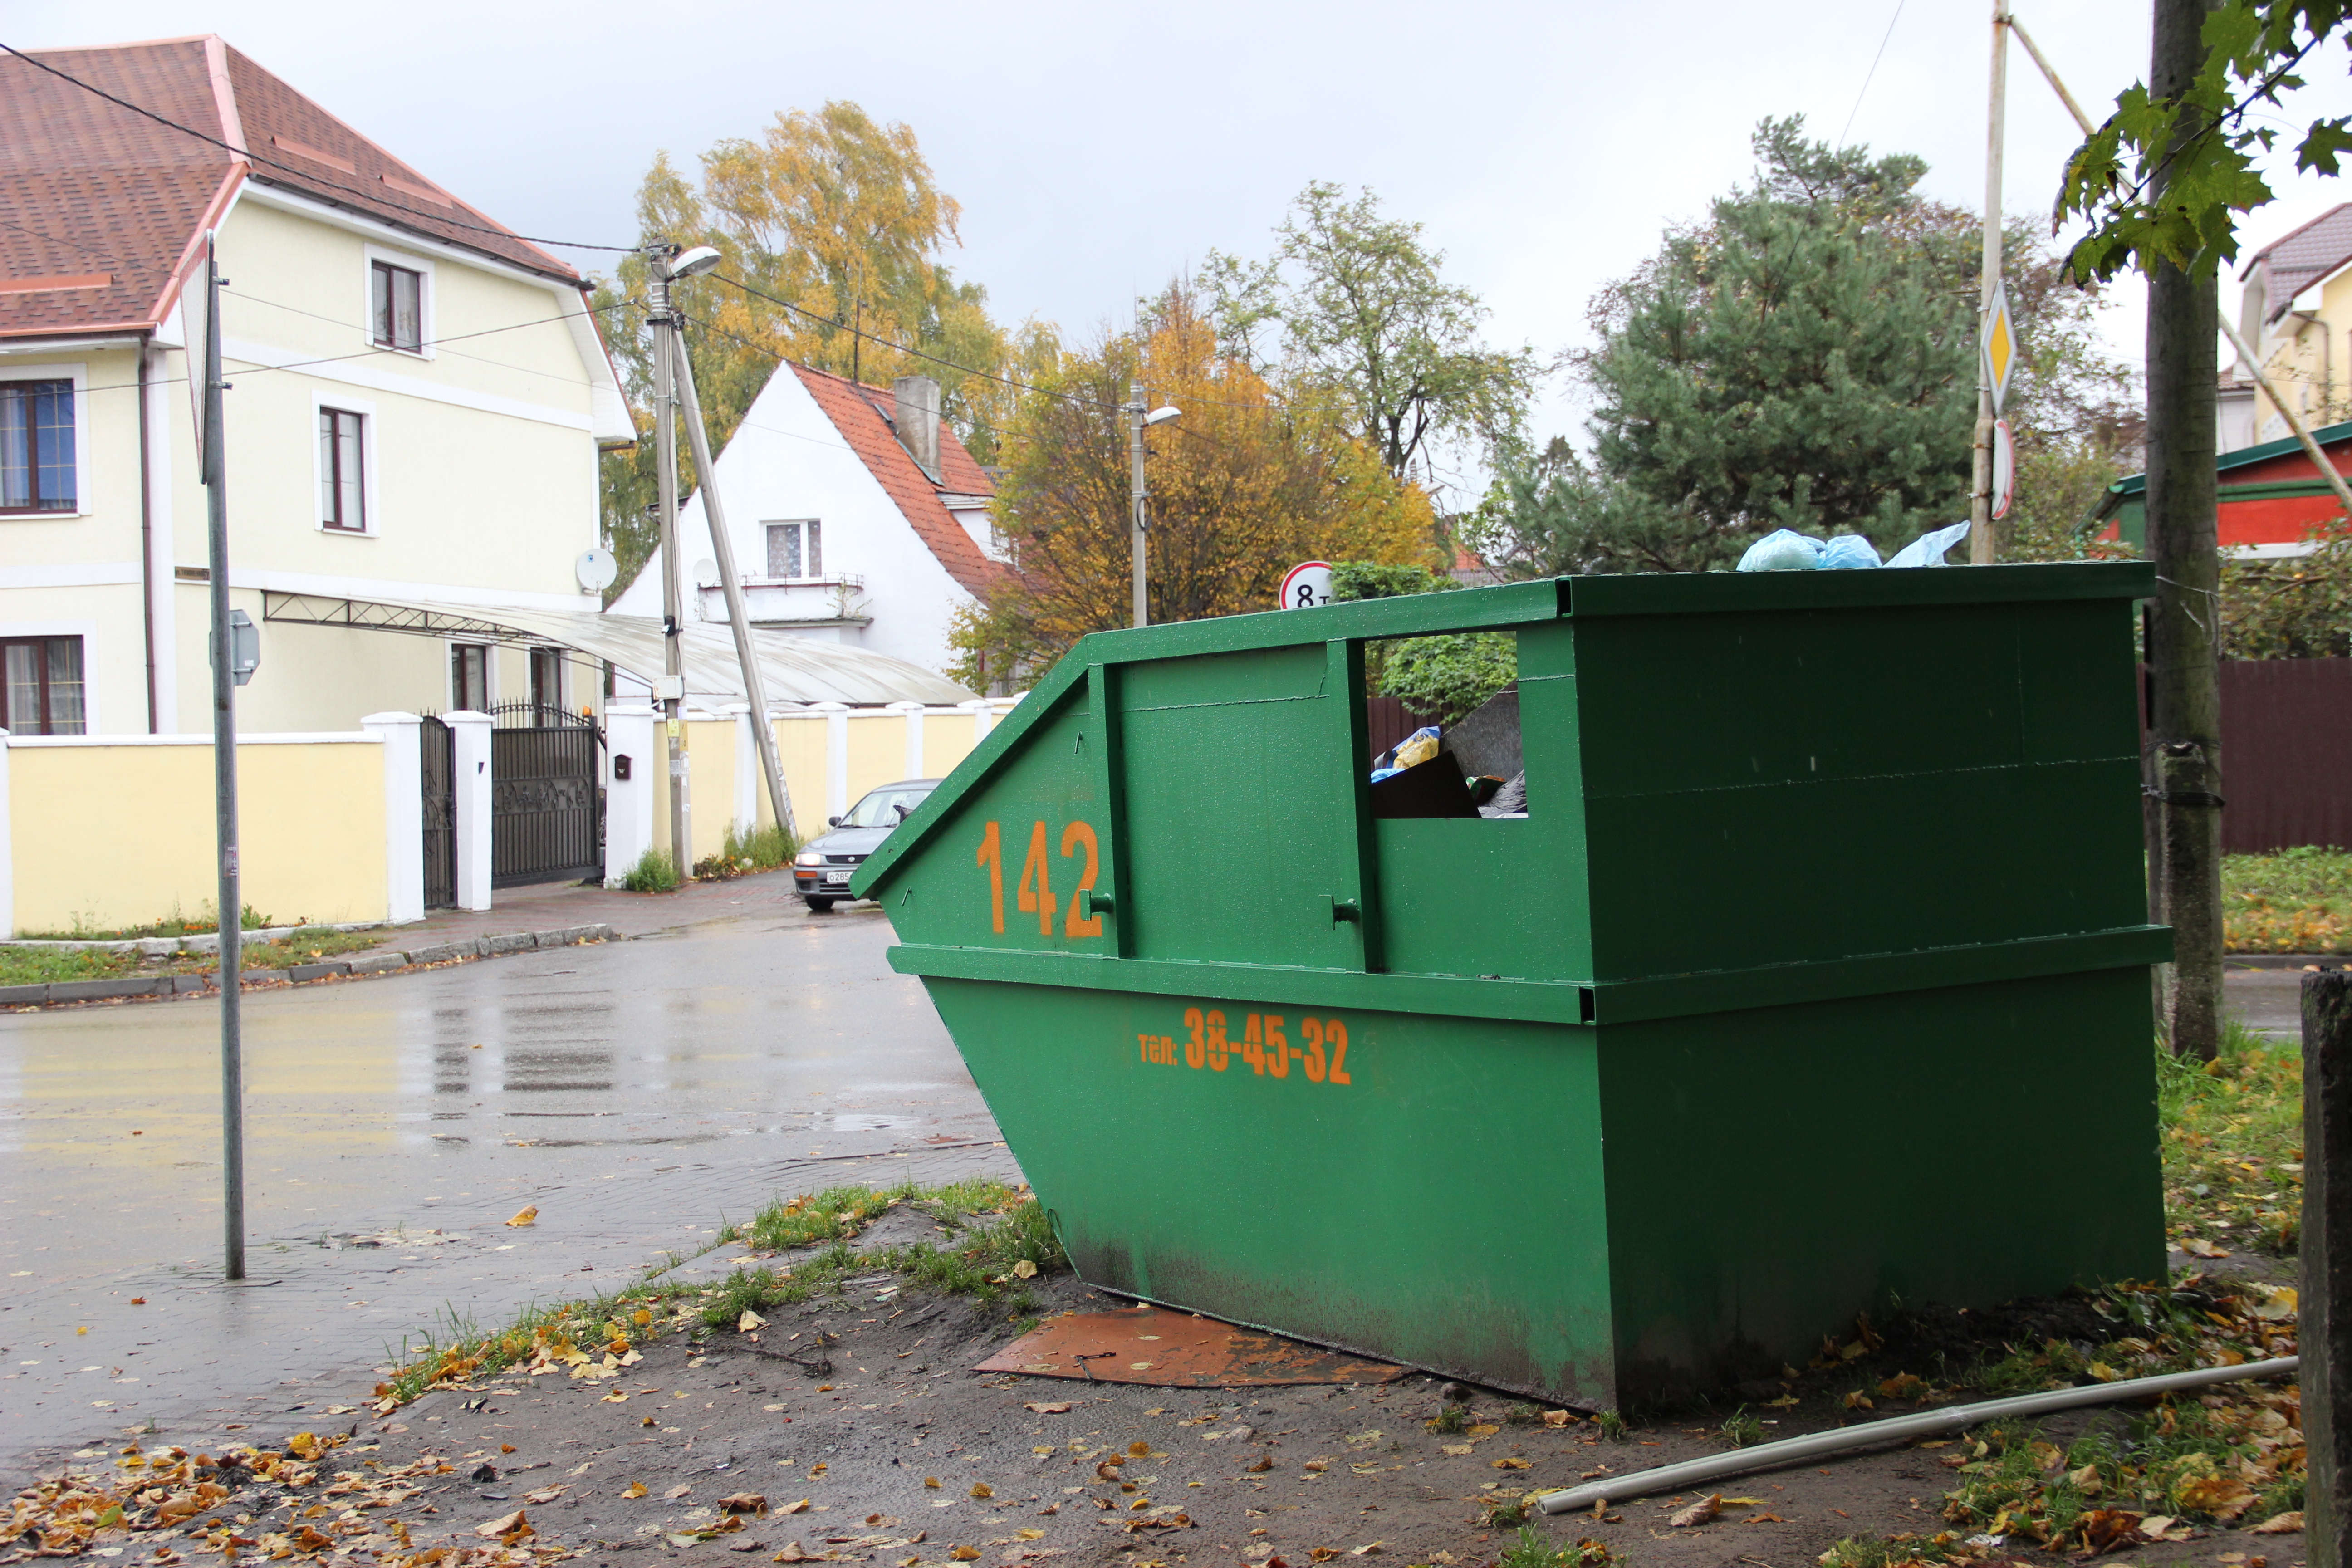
(595, 569)
(706, 573)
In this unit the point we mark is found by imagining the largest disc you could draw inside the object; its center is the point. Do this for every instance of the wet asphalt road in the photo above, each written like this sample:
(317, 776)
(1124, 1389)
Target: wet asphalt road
(637, 1092)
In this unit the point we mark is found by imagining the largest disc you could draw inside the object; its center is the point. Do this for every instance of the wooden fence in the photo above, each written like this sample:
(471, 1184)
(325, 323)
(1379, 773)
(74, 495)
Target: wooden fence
(2286, 754)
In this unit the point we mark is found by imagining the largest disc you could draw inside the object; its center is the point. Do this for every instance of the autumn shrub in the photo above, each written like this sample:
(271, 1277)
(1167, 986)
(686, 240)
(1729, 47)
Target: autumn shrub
(1886, 1551)
(655, 872)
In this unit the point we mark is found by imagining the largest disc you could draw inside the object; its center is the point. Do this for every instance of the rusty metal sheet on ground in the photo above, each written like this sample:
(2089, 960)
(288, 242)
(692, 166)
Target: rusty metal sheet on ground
(1176, 1350)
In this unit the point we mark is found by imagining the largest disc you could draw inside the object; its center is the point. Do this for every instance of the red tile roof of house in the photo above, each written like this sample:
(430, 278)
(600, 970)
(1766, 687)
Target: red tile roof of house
(2302, 257)
(864, 414)
(102, 209)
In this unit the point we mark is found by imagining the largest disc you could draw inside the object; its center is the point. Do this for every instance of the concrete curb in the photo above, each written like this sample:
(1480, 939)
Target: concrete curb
(68, 993)
(164, 946)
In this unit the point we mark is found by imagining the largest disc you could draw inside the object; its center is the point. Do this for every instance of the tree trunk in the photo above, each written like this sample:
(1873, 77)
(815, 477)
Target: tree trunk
(2185, 720)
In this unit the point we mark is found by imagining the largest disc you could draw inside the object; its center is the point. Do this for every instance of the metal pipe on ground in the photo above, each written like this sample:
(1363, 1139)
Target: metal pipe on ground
(1957, 1417)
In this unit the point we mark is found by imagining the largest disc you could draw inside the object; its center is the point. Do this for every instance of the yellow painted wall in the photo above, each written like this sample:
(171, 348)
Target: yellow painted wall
(711, 769)
(877, 752)
(800, 752)
(107, 837)
(947, 740)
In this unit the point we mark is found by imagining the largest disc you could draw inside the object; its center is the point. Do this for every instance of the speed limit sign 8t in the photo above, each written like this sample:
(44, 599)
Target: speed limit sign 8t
(1307, 585)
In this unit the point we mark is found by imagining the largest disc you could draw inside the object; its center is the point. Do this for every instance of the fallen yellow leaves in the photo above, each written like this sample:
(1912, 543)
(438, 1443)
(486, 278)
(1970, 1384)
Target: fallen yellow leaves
(800, 1507)
(1707, 1510)
(744, 1502)
(1062, 1408)
(964, 1553)
(2286, 1523)
(749, 1321)
(634, 1490)
(529, 1215)
(507, 1527)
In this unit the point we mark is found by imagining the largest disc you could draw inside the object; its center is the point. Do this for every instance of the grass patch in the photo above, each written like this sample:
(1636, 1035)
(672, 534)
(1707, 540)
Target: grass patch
(1743, 1430)
(1889, 1551)
(39, 966)
(2233, 1144)
(175, 924)
(1531, 1549)
(2238, 1461)
(2297, 900)
(1001, 1240)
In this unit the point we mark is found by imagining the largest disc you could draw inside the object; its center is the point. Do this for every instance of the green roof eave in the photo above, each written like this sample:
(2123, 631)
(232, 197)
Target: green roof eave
(2132, 485)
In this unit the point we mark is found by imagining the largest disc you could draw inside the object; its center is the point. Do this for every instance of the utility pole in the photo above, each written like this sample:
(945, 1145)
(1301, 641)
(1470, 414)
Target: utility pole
(673, 693)
(739, 618)
(2184, 643)
(1135, 500)
(1980, 541)
(1138, 421)
(231, 894)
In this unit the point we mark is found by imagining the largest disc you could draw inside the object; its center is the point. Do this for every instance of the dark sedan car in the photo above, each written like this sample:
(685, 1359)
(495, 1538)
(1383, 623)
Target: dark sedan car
(822, 870)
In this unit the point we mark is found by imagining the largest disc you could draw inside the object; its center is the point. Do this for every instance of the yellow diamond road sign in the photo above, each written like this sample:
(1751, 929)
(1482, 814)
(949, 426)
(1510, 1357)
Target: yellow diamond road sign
(2000, 346)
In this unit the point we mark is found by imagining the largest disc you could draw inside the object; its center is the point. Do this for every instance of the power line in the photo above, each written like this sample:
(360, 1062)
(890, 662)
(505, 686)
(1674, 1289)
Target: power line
(253, 369)
(304, 175)
(1872, 72)
(439, 343)
(53, 240)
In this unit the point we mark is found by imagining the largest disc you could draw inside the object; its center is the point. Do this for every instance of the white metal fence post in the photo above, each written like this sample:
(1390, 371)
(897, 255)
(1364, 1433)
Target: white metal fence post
(469, 736)
(403, 813)
(8, 850)
(911, 714)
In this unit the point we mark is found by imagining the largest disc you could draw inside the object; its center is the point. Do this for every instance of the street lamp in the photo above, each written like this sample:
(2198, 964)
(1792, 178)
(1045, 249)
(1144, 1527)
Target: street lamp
(1137, 419)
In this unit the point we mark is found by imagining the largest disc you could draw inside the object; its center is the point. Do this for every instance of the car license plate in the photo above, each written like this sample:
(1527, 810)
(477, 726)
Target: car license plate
(836, 875)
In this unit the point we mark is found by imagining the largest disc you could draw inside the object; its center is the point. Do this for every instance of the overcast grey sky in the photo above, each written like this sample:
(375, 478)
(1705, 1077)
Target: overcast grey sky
(1098, 149)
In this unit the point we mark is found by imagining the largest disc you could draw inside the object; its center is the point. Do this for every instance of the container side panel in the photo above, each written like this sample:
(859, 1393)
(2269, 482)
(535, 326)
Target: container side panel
(1242, 825)
(1350, 1214)
(2078, 671)
(1821, 785)
(1746, 1232)
(1005, 868)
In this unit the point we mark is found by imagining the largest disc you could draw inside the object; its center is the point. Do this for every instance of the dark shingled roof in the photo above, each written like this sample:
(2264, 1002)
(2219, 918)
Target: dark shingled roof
(2304, 257)
(102, 209)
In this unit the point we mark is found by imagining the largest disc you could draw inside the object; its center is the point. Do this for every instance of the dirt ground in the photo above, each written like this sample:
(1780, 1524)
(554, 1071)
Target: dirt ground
(882, 1445)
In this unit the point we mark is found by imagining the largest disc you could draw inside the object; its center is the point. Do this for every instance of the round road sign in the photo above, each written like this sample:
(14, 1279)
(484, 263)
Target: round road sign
(1305, 585)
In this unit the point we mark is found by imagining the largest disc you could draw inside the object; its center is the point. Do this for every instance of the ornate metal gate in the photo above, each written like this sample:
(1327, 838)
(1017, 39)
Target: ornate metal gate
(547, 810)
(436, 755)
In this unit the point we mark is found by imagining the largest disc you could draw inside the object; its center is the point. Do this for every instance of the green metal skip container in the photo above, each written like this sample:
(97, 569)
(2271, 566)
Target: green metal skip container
(1814, 978)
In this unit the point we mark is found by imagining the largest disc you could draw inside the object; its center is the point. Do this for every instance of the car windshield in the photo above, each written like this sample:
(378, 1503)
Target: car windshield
(884, 808)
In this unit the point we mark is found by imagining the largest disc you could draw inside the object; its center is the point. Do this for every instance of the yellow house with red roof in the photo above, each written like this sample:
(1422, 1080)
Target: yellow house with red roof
(419, 398)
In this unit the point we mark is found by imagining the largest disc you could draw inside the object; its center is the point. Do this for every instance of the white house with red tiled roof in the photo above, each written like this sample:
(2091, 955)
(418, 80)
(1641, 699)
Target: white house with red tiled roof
(855, 516)
(419, 396)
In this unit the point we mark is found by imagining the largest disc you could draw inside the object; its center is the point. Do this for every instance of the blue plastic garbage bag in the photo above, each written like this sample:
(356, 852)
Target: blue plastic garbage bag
(1783, 549)
(1848, 552)
(1927, 550)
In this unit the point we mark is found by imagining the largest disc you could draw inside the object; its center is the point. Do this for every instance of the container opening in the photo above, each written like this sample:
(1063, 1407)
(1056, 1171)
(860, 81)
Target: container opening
(1443, 722)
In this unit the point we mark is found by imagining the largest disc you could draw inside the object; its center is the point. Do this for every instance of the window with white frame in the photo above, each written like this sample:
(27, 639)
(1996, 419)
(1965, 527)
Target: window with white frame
(795, 549)
(342, 470)
(396, 306)
(41, 686)
(37, 470)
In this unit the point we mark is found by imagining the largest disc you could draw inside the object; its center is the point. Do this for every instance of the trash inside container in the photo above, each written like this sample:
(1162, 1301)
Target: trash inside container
(1809, 974)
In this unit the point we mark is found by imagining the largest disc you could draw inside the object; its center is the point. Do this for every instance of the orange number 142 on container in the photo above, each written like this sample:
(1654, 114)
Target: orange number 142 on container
(1034, 896)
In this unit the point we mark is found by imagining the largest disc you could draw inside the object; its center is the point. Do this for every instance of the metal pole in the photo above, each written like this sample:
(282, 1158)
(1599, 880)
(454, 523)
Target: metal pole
(2327, 470)
(1980, 541)
(2064, 97)
(232, 899)
(666, 343)
(738, 618)
(1135, 498)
